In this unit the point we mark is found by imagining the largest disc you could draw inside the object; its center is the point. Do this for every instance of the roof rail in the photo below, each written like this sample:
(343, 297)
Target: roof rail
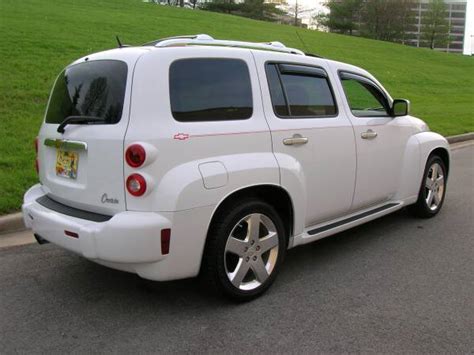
(206, 40)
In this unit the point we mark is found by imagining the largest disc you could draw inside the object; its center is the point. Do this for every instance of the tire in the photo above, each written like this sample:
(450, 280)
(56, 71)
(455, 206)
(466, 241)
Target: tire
(241, 261)
(432, 189)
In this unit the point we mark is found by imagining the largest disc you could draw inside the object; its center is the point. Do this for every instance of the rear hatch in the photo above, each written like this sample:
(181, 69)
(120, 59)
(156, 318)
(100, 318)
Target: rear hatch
(83, 167)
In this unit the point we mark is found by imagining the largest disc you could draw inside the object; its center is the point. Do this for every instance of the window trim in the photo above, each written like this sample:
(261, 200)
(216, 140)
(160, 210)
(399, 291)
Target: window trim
(319, 68)
(303, 70)
(363, 78)
(216, 121)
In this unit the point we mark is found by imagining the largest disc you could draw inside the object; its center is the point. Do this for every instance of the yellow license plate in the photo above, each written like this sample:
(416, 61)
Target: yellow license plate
(66, 164)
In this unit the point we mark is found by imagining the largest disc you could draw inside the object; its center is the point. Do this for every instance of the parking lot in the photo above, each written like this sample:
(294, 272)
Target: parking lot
(397, 284)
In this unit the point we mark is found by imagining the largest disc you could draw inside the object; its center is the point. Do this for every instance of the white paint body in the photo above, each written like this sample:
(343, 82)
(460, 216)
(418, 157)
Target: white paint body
(192, 167)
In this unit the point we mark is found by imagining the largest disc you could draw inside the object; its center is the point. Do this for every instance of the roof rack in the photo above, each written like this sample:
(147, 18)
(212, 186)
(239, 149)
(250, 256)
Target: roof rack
(206, 40)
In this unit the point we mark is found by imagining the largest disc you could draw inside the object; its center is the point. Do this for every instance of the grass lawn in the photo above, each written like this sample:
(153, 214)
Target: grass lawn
(39, 37)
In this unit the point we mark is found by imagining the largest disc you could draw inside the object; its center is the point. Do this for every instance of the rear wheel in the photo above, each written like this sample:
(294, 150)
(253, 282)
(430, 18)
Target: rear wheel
(433, 189)
(245, 249)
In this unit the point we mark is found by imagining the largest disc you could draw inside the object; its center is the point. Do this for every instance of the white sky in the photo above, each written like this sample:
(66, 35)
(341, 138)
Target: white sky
(309, 3)
(469, 33)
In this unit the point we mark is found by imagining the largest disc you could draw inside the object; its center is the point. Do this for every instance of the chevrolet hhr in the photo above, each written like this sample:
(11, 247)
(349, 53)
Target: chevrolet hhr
(193, 156)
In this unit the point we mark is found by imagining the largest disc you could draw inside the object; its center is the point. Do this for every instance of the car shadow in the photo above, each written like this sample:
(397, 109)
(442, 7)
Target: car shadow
(90, 281)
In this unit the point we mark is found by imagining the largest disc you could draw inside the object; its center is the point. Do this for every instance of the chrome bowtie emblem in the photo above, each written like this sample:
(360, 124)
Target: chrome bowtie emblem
(181, 136)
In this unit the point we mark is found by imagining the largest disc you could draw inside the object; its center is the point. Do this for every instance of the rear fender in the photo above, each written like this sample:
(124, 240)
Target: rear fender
(207, 182)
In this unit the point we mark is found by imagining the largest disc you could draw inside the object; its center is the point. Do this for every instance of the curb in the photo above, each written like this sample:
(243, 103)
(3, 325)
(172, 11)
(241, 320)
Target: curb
(460, 138)
(11, 223)
(14, 222)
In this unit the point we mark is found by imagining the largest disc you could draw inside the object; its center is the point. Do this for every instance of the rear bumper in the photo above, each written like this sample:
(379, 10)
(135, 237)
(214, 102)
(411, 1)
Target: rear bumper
(129, 241)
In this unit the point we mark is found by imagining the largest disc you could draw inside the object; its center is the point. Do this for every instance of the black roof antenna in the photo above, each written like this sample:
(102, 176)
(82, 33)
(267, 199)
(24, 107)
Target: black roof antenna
(120, 45)
(304, 45)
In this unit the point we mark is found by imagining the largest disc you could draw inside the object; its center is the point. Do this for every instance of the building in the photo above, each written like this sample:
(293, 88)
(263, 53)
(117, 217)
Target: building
(455, 15)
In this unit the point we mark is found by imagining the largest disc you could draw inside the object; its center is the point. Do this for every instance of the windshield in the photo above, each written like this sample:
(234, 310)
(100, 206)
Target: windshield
(94, 89)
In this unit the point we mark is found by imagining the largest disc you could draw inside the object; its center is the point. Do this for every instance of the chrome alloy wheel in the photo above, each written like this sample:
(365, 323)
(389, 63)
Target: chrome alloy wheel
(434, 186)
(251, 251)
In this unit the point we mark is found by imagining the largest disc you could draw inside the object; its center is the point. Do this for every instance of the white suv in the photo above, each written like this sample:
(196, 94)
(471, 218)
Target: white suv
(191, 156)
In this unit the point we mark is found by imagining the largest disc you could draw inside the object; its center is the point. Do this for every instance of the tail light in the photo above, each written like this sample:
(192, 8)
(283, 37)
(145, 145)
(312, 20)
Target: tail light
(135, 155)
(36, 156)
(136, 185)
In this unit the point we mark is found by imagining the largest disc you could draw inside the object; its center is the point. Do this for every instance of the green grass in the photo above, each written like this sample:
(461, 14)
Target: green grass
(39, 37)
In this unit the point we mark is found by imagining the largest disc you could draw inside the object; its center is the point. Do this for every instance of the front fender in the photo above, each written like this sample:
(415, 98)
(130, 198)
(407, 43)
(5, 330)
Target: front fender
(418, 149)
(410, 174)
(429, 141)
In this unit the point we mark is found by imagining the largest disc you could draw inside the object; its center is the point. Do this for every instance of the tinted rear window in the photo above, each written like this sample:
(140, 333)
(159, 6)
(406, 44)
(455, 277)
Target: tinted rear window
(205, 89)
(94, 88)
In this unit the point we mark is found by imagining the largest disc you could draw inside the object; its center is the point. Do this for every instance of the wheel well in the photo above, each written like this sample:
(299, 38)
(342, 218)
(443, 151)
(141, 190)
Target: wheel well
(444, 155)
(274, 195)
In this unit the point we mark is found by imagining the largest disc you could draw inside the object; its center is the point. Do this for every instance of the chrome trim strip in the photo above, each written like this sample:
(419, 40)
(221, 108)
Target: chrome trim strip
(65, 144)
(352, 219)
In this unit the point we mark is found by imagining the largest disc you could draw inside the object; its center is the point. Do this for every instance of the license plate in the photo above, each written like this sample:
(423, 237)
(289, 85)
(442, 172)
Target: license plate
(66, 164)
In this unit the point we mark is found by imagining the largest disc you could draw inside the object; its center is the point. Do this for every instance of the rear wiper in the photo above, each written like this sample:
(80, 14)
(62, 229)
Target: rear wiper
(78, 119)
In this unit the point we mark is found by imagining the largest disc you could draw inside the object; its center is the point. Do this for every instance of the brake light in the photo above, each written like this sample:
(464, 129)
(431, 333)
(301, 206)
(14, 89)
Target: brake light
(136, 185)
(135, 155)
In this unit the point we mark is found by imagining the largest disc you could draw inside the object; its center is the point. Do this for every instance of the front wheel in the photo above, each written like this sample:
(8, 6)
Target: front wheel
(433, 189)
(245, 248)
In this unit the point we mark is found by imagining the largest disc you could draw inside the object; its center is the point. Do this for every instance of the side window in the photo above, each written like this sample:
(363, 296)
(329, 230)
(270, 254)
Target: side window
(364, 98)
(300, 91)
(210, 89)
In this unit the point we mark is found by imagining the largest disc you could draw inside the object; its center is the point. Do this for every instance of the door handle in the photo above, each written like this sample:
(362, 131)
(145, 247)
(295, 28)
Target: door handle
(369, 134)
(297, 139)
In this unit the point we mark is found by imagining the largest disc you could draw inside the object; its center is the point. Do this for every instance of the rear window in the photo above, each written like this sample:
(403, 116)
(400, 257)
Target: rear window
(205, 89)
(95, 88)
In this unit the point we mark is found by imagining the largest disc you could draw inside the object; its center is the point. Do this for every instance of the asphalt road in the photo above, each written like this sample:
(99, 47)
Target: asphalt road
(397, 284)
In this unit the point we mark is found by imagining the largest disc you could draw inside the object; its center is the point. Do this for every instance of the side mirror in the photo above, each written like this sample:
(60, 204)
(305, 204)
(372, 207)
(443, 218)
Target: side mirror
(400, 107)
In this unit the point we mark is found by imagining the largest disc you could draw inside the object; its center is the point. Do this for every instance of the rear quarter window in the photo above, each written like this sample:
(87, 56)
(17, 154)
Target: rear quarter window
(95, 88)
(210, 89)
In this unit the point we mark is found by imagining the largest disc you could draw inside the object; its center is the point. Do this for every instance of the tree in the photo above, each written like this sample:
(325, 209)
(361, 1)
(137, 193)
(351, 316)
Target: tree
(406, 20)
(295, 10)
(259, 10)
(256, 9)
(434, 26)
(225, 6)
(343, 16)
(387, 20)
